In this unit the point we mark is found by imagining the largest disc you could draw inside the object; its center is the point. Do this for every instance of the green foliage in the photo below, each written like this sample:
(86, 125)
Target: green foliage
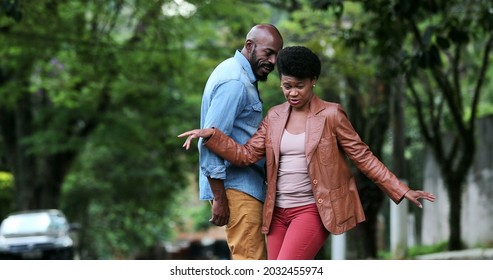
(105, 84)
(126, 185)
(6, 193)
(417, 251)
(11, 8)
(108, 87)
(424, 250)
(6, 180)
(102, 89)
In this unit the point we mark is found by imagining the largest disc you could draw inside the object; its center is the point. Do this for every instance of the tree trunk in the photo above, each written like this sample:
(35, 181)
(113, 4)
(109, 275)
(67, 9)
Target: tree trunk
(455, 197)
(53, 174)
(363, 239)
(362, 242)
(24, 169)
(38, 180)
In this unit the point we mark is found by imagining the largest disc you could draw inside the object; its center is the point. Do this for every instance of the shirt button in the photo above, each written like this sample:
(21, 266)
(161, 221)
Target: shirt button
(320, 200)
(315, 181)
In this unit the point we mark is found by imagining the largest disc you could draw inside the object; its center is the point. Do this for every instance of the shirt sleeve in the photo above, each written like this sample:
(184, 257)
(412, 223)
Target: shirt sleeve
(226, 104)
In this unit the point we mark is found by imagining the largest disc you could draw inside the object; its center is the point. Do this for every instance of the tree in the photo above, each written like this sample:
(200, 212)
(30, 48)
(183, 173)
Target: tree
(446, 51)
(92, 76)
(453, 54)
(92, 96)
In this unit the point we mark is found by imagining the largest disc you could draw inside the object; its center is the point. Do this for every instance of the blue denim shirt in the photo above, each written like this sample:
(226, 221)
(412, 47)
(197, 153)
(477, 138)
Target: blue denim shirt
(231, 103)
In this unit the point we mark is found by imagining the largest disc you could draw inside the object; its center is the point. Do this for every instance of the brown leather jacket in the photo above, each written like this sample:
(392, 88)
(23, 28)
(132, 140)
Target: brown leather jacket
(330, 141)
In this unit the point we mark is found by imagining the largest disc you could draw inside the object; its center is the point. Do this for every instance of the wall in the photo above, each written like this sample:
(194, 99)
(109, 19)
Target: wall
(477, 199)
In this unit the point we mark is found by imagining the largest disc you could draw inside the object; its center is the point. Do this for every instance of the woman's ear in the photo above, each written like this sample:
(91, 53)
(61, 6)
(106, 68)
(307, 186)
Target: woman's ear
(314, 81)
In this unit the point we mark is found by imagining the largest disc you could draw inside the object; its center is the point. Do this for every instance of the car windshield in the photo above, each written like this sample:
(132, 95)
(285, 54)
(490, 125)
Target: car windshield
(30, 223)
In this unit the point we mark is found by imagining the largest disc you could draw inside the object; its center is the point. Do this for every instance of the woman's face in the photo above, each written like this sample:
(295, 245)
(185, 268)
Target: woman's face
(298, 92)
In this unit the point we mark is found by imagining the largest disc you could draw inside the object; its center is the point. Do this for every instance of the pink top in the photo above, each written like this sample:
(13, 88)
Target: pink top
(293, 186)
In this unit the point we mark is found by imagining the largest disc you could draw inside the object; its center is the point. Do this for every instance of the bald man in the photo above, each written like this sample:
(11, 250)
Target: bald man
(231, 102)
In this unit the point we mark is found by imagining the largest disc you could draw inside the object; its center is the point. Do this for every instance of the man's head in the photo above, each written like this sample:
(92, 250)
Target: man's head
(262, 45)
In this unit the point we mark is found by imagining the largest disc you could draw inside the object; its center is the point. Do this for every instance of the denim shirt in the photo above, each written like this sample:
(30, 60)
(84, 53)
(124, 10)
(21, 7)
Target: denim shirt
(231, 103)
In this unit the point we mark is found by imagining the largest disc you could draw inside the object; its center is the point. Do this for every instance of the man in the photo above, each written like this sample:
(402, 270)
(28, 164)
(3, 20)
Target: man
(231, 102)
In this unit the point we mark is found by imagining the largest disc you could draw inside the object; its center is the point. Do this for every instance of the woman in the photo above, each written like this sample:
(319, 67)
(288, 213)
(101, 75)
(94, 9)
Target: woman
(306, 141)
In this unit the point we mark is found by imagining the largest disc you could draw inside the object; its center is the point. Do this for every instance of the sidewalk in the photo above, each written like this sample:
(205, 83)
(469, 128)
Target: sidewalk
(470, 254)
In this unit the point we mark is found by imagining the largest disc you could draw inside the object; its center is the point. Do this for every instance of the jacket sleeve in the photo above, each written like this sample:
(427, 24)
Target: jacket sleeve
(240, 155)
(361, 156)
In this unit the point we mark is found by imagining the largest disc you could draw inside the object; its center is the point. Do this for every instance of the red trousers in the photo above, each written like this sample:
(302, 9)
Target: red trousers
(295, 233)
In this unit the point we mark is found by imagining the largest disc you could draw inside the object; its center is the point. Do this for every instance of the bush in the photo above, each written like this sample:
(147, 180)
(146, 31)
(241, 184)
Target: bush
(6, 193)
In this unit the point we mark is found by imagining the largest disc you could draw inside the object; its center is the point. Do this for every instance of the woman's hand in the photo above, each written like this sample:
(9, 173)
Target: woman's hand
(413, 196)
(196, 133)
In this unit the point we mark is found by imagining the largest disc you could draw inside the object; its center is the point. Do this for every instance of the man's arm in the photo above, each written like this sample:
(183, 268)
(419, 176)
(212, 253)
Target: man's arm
(220, 208)
(226, 104)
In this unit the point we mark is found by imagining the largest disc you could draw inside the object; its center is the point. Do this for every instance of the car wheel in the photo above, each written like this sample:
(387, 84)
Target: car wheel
(67, 254)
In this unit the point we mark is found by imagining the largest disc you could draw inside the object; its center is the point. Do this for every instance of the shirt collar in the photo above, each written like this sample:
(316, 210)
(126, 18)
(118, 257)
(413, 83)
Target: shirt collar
(246, 65)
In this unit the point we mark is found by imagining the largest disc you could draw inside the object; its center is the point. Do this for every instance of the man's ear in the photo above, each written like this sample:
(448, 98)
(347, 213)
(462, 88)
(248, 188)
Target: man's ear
(249, 45)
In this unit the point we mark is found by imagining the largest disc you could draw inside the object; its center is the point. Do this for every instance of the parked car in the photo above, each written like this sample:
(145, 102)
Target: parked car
(36, 234)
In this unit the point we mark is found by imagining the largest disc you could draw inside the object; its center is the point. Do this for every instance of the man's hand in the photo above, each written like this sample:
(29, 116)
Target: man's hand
(220, 211)
(220, 207)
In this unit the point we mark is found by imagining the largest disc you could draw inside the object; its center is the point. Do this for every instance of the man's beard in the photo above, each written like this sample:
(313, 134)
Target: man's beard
(256, 65)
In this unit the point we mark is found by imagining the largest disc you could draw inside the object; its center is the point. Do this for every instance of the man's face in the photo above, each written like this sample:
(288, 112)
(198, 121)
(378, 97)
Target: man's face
(263, 60)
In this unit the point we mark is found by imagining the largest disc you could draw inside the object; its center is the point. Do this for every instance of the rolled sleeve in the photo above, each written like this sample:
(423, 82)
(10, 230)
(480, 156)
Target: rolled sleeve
(215, 172)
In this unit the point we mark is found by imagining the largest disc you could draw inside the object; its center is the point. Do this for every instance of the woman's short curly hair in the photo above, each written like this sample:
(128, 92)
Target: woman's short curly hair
(299, 62)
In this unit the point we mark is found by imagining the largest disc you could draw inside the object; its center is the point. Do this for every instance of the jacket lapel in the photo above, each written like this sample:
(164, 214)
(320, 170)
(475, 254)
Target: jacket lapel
(314, 127)
(277, 124)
